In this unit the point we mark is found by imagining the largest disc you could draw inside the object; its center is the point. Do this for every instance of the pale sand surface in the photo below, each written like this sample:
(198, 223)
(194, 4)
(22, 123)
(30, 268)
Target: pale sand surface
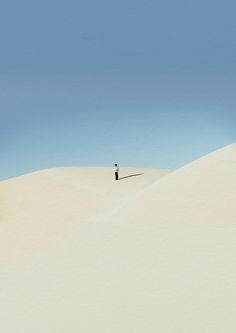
(151, 253)
(43, 206)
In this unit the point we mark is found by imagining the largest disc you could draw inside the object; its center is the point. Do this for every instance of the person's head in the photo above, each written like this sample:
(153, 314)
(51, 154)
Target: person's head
(116, 164)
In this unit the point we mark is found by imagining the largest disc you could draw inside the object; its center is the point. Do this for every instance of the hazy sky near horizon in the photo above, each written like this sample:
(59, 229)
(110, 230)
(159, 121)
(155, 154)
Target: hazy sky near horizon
(141, 83)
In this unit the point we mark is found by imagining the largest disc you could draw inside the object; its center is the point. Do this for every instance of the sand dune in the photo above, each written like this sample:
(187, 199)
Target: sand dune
(41, 207)
(146, 254)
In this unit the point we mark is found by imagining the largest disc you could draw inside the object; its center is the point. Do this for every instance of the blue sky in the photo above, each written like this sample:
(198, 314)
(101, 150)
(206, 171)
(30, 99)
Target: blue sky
(141, 83)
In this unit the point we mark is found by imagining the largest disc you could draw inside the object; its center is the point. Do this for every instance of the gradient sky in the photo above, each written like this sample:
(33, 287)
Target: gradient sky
(140, 83)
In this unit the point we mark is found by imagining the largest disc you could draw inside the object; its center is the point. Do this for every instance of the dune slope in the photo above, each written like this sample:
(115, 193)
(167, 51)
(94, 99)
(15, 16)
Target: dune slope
(41, 207)
(160, 261)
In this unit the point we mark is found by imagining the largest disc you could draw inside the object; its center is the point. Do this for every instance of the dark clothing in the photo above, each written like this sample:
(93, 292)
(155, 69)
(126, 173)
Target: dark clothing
(116, 175)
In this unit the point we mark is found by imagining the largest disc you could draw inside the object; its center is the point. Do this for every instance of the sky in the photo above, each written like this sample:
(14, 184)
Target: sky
(93, 83)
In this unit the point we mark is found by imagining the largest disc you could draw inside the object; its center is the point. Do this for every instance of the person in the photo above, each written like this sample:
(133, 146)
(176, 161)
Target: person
(117, 172)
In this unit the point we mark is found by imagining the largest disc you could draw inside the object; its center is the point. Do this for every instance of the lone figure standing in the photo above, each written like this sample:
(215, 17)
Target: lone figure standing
(117, 172)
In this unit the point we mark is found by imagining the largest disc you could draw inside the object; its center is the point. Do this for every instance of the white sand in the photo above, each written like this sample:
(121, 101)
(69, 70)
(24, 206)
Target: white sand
(41, 207)
(83, 253)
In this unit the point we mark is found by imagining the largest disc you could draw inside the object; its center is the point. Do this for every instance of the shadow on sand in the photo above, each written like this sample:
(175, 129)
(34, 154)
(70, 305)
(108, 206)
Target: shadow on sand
(134, 175)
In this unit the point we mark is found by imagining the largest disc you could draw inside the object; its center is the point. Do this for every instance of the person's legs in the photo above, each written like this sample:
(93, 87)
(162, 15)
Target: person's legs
(116, 174)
